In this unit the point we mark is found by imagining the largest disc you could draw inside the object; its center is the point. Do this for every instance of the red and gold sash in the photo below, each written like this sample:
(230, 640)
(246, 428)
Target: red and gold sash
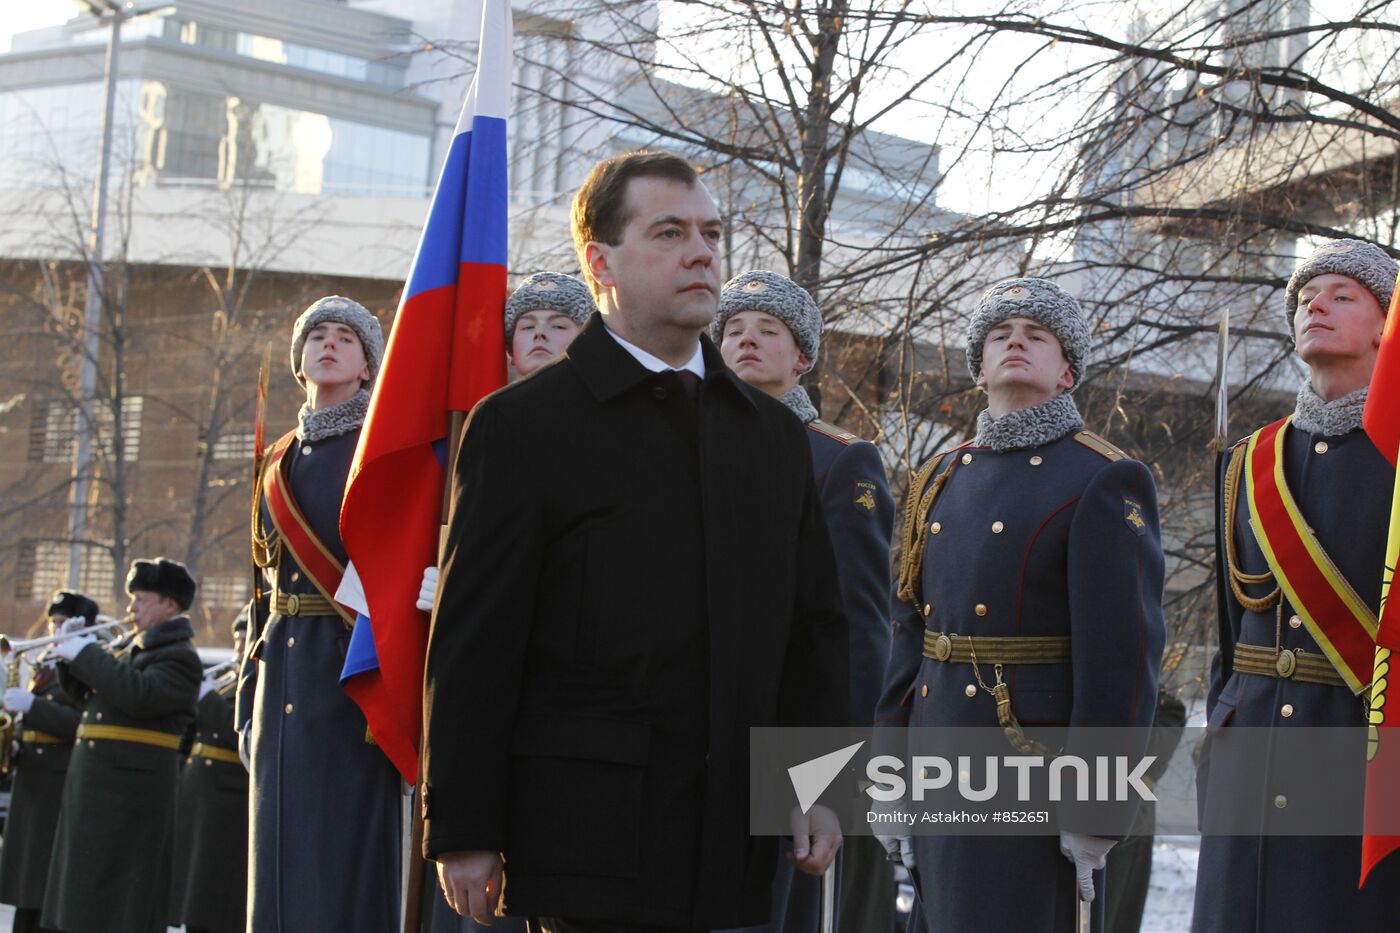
(1338, 620)
(310, 553)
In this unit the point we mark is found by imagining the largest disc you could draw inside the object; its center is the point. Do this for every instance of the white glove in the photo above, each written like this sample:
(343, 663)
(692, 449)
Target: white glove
(18, 699)
(898, 848)
(69, 626)
(1089, 854)
(427, 590)
(205, 686)
(69, 648)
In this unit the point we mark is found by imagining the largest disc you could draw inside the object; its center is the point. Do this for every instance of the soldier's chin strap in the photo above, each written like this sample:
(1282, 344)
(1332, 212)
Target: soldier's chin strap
(1006, 718)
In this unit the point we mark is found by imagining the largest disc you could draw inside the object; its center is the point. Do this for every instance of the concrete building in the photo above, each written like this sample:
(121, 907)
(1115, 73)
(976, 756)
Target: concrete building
(265, 153)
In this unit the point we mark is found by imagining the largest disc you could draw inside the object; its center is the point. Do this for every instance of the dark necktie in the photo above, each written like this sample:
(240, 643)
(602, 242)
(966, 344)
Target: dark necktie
(689, 381)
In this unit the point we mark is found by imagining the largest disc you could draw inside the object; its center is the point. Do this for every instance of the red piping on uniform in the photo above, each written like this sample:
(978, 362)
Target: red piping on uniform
(1021, 583)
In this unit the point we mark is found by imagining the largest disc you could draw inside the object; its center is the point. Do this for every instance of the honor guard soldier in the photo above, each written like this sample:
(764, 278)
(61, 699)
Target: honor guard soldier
(1036, 543)
(48, 725)
(111, 865)
(769, 331)
(325, 801)
(211, 814)
(1293, 652)
(543, 316)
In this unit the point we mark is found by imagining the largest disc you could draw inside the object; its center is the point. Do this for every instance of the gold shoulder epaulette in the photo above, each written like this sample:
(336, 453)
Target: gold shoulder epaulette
(924, 487)
(832, 431)
(1099, 446)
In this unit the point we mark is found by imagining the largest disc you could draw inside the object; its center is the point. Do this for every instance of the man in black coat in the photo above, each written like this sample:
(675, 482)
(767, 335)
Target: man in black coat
(111, 864)
(48, 725)
(601, 647)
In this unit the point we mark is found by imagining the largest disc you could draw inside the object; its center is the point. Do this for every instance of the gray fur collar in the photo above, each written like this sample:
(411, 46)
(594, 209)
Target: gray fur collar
(1028, 427)
(1339, 416)
(314, 424)
(800, 402)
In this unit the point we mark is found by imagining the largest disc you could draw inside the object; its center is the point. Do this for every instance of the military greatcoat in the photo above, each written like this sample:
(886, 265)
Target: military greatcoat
(859, 513)
(1275, 883)
(324, 849)
(211, 825)
(46, 744)
(110, 870)
(1060, 539)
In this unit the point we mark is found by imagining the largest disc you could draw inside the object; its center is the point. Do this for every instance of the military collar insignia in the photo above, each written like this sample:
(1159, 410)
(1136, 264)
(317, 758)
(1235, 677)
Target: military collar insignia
(1029, 427)
(1330, 419)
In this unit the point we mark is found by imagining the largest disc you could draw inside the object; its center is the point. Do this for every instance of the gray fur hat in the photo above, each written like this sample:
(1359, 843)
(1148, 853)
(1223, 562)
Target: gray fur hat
(1043, 302)
(550, 291)
(1356, 259)
(338, 310)
(775, 294)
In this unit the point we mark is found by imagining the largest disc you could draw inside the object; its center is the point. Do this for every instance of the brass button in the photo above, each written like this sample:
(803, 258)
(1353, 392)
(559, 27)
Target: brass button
(970, 690)
(99, 717)
(306, 450)
(208, 762)
(1294, 622)
(1287, 710)
(997, 528)
(923, 691)
(38, 751)
(91, 744)
(296, 575)
(214, 735)
(1320, 447)
(942, 648)
(935, 528)
(291, 641)
(1036, 460)
(287, 709)
(1280, 801)
(980, 609)
(1285, 663)
(928, 610)
(967, 458)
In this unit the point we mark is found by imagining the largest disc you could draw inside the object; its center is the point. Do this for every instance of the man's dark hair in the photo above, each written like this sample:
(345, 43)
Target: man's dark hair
(600, 207)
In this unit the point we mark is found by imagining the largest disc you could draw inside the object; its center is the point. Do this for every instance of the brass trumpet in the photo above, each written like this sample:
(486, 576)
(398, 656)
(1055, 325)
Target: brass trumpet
(10, 645)
(13, 648)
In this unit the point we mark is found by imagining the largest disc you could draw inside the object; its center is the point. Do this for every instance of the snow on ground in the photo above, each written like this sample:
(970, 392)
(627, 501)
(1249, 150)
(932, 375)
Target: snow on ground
(1172, 890)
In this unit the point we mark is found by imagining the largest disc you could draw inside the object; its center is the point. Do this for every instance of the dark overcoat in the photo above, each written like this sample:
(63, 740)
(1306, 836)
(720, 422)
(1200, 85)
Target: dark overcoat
(40, 767)
(110, 870)
(326, 805)
(1251, 884)
(1057, 540)
(633, 579)
(211, 825)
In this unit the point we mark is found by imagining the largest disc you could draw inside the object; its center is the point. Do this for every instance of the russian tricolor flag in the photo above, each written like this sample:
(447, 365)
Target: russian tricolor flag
(446, 351)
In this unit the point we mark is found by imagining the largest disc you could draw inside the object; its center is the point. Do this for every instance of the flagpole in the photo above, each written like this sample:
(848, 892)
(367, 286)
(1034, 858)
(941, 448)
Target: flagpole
(417, 864)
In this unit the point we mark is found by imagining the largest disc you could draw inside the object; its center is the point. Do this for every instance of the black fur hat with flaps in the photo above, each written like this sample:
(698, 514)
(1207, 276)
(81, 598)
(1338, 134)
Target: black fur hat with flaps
(164, 577)
(72, 605)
